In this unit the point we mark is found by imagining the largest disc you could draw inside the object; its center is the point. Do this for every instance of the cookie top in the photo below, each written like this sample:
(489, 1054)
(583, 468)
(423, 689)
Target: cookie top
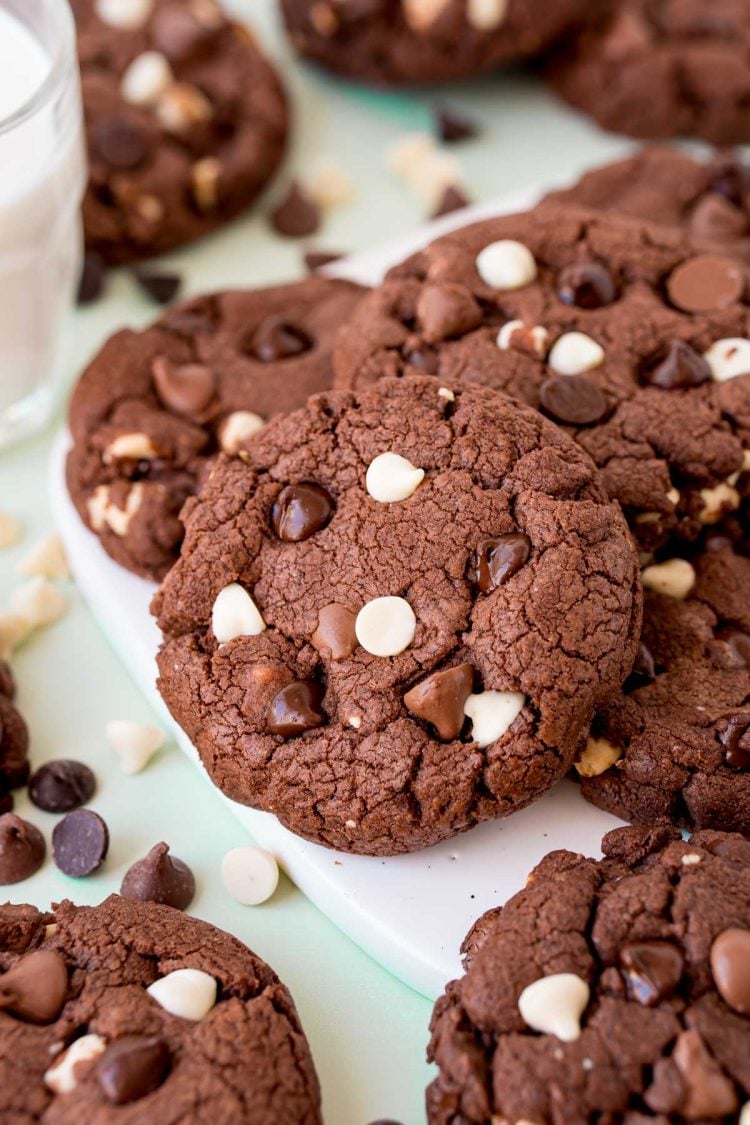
(407, 606)
(607, 990)
(675, 744)
(186, 122)
(153, 406)
(394, 42)
(682, 69)
(627, 333)
(131, 1011)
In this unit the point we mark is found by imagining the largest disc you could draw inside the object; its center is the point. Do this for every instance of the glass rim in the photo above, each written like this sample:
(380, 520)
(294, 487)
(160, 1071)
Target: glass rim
(64, 52)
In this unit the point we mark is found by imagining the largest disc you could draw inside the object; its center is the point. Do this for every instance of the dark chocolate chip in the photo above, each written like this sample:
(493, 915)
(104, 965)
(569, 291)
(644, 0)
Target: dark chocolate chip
(498, 559)
(80, 842)
(296, 215)
(301, 510)
(573, 399)
(452, 199)
(91, 281)
(335, 633)
(22, 849)
(160, 287)
(132, 1067)
(681, 367)
(644, 670)
(14, 746)
(120, 144)
(297, 708)
(61, 786)
(186, 388)
(317, 259)
(706, 283)
(440, 699)
(453, 127)
(447, 311)
(276, 339)
(160, 877)
(653, 970)
(587, 285)
(732, 732)
(34, 989)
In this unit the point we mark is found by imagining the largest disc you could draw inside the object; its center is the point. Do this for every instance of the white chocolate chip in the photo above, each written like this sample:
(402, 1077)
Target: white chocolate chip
(235, 614)
(675, 578)
(62, 1076)
(598, 756)
(251, 875)
(205, 175)
(189, 994)
(575, 352)
(744, 1118)
(103, 513)
(47, 559)
(554, 1005)
(391, 477)
(11, 530)
(14, 629)
(690, 859)
(427, 170)
(486, 15)
(181, 107)
(135, 447)
(331, 187)
(492, 713)
(745, 461)
(149, 208)
(207, 13)
(355, 721)
(408, 151)
(673, 496)
(385, 626)
(50, 930)
(237, 429)
(420, 14)
(146, 79)
(445, 393)
(323, 19)
(506, 264)
(39, 602)
(125, 14)
(728, 358)
(716, 501)
(350, 824)
(134, 743)
(514, 333)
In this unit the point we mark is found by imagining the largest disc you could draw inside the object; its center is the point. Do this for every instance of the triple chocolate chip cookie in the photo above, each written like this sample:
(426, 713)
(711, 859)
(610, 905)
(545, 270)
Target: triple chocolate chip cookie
(392, 42)
(153, 406)
(186, 122)
(393, 618)
(14, 741)
(132, 1012)
(662, 68)
(608, 990)
(628, 334)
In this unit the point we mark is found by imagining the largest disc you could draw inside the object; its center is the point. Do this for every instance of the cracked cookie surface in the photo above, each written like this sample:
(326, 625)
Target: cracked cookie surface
(153, 406)
(242, 1058)
(510, 607)
(653, 1025)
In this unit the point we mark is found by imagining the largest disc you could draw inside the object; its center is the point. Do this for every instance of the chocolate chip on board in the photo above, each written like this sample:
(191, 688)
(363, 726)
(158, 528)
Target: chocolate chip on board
(80, 842)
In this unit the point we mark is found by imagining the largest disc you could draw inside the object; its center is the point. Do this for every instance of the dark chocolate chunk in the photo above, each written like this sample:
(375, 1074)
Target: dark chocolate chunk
(297, 708)
(80, 842)
(300, 510)
(61, 785)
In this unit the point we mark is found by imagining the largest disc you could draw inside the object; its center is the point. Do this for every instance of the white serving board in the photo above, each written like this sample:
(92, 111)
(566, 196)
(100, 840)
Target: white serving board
(408, 912)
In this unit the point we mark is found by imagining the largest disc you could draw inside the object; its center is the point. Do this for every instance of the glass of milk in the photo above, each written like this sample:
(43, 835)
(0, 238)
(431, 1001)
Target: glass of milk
(42, 178)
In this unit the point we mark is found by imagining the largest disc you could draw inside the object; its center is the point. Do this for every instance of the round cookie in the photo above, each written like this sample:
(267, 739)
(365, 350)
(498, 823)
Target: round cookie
(186, 122)
(679, 68)
(675, 744)
(606, 990)
(133, 1012)
(396, 42)
(623, 331)
(407, 606)
(153, 406)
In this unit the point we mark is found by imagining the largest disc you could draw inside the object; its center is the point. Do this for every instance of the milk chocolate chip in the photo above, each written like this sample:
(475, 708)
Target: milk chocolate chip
(440, 699)
(301, 510)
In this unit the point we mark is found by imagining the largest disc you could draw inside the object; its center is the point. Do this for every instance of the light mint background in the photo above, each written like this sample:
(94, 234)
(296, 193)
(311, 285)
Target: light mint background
(368, 1032)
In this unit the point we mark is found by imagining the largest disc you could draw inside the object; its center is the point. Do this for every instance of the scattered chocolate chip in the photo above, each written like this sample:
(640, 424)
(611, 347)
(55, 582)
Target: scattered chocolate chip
(653, 970)
(573, 399)
(335, 633)
(61, 786)
(296, 215)
(132, 1067)
(452, 199)
(705, 283)
(440, 699)
(14, 746)
(7, 683)
(91, 281)
(177, 33)
(22, 849)
(732, 732)
(446, 311)
(297, 708)
(681, 367)
(34, 989)
(160, 287)
(275, 339)
(317, 259)
(644, 670)
(587, 285)
(730, 965)
(80, 842)
(301, 510)
(453, 127)
(186, 388)
(498, 559)
(120, 144)
(160, 877)
(716, 219)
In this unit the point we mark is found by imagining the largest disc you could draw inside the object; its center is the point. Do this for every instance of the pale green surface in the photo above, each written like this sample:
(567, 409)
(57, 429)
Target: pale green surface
(367, 1031)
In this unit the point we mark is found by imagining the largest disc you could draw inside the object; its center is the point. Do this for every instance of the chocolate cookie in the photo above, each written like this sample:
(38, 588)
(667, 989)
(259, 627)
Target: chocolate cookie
(153, 406)
(14, 741)
(132, 1012)
(394, 42)
(675, 744)
(407, 605)
(662, 68)
(607, 990)
(186, 122)
(625, 332)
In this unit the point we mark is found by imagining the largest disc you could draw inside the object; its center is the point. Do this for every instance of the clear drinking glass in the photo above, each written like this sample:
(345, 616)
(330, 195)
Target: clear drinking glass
(42, 178)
